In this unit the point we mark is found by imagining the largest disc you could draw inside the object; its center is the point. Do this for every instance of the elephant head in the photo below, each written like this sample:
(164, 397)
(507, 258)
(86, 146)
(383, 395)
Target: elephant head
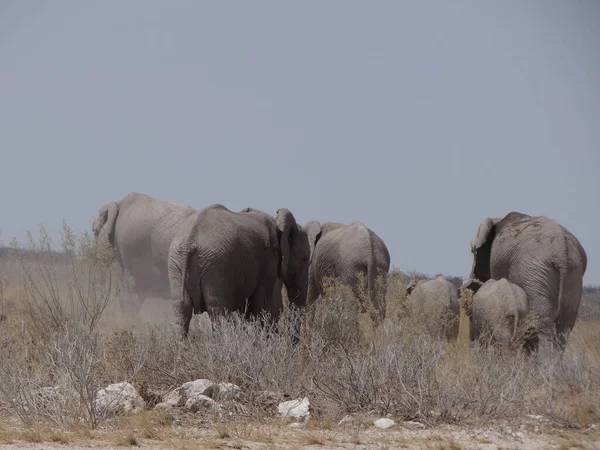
(103, 226)
(481, 244)
(295, 256)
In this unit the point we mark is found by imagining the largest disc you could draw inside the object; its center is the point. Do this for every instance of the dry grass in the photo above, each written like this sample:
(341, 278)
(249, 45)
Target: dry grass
(127, 440)
(60, 327)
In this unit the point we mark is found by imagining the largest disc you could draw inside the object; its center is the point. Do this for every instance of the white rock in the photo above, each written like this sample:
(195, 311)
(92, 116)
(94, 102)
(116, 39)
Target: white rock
(295, 409)
(119, 398)
(47, 395)
(414, 425)
(384, 423)
(537, 418)
(179, 397)
(53, 400)
(347, 420)
(225, 391)
(198, 387)
(200, 402)
(519, 435)
(297, 425)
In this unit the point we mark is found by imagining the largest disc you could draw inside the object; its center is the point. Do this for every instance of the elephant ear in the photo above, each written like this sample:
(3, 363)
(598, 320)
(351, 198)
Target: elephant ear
(104, 225)
(286, 224)
(314, 232)
(486, 227)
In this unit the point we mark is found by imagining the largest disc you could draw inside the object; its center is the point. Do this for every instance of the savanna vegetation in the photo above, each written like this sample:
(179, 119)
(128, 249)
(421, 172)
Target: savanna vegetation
(62, 338)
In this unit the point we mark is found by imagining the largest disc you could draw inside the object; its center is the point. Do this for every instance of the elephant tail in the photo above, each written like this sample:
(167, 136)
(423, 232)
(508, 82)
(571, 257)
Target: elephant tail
(561, 290)
(189, 291)
(515, 328)
(570, 290)
(192, 285)
(372, 281)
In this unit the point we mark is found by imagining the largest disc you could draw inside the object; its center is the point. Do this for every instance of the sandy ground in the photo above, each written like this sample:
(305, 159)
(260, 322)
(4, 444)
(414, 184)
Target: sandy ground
(300, 436)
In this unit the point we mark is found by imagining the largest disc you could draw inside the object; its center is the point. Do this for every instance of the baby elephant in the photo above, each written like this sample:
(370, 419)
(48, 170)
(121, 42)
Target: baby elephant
(436, 303)
(498, 313)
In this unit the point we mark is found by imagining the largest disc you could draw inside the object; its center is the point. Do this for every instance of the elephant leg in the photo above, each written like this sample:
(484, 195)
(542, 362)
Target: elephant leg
(260, 303)
(568, 307)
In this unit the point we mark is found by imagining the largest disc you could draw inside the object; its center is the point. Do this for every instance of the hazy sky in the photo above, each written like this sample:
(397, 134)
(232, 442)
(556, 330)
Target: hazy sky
(419, 118)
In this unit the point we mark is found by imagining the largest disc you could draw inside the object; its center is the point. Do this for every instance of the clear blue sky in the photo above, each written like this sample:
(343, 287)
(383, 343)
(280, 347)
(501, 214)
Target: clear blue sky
(419, 118)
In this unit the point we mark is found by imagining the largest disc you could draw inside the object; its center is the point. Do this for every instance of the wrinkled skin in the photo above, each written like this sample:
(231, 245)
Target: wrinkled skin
(343, 252)
(498, 314)
(438, 300)
(540, 256)
(224, 261)
(139, 229)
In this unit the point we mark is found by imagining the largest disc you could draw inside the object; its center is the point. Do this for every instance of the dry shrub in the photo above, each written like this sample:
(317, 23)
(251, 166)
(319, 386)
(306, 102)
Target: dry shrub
(50, 347)
(59, 344)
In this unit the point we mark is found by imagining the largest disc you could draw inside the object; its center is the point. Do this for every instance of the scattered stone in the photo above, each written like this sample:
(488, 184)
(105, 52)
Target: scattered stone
(298, 425)
(537, 418)
(200, 403)
(413, 425)
(295, 409)
(119, 398)
(225, 391)
(519, 435)
(47, 395)
(384, 423)
(193, 394)
(345, 421)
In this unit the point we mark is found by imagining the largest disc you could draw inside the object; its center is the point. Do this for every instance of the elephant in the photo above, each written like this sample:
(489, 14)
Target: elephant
(224, 261)
(437, 299)
(540, 256)
(139, 229)
(499, 313)
(347, 253)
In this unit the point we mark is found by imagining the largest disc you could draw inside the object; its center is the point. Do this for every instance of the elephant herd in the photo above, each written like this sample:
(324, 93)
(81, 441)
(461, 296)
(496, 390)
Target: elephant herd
(216, 260)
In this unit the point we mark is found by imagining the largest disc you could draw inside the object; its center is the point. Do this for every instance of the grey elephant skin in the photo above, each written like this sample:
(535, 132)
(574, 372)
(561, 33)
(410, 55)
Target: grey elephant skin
(437, 300)
(499, 314)
(540, 256)
(139, 229)
(345, 252)
(223, 261)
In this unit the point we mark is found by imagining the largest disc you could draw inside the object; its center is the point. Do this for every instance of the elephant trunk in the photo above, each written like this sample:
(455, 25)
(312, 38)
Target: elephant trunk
(297, 292)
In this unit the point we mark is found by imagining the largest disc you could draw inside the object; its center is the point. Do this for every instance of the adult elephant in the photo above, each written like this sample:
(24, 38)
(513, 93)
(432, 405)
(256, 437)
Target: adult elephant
(498, 313)
(540, 256)
(348, 253)
(222, 261)
(436, 302)
(139, 229)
